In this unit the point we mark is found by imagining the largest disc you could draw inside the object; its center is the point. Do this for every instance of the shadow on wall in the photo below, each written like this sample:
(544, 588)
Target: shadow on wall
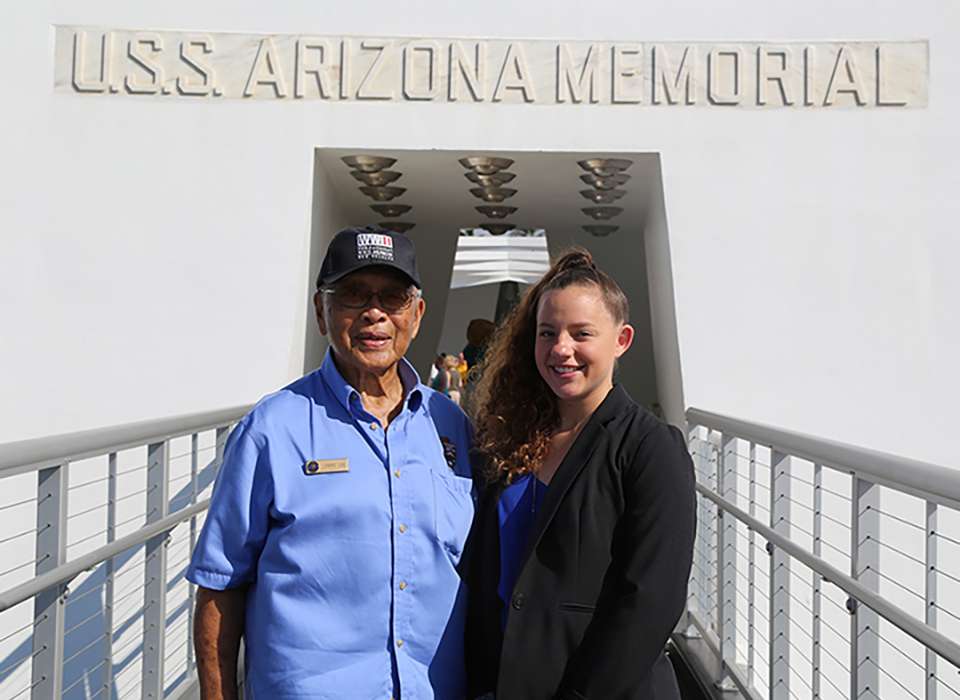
(464, 305)
(85, 640)
(435, 262)
(662, 303)
(327, 217)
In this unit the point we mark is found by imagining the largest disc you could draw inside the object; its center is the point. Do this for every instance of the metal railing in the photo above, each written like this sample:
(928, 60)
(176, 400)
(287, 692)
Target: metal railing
(822, 570)
(97, 530)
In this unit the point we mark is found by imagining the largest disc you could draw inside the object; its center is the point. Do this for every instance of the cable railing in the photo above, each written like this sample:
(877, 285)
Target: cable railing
(98, 528)
(822, 570)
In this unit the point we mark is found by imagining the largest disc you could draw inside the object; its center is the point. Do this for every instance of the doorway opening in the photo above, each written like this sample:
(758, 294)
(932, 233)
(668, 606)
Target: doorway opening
(610, 203)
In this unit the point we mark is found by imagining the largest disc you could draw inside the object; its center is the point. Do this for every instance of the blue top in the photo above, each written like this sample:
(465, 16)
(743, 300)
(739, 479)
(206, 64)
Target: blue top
(350, 560)
(516, 511)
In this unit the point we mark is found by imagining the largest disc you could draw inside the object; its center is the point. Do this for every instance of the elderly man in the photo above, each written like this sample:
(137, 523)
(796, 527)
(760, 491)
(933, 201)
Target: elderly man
(341, 509)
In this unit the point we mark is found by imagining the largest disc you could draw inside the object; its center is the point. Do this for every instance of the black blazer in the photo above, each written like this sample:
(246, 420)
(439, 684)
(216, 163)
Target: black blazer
(604, 579)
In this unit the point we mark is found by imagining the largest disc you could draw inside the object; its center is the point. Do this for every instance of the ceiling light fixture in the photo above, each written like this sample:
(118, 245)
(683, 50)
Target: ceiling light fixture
(605, 183)
(397, 226)
(391, 210)
(383, 194)
(377, 179)
(603, 196)
(605, 167)
(485, 165)
(602, 213)
(369, 164)
(492, 180)
(497, 229)
(492, 194)
(496, 212)
(600, 230)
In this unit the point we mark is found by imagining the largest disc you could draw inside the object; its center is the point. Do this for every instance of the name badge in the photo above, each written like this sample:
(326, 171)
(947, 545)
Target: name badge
(325, 466)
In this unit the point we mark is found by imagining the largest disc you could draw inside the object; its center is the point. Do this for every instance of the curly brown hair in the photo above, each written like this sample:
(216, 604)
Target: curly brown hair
(514, 409)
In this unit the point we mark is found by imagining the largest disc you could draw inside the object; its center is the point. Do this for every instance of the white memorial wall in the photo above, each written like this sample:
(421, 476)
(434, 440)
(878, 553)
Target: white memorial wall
(155, 247)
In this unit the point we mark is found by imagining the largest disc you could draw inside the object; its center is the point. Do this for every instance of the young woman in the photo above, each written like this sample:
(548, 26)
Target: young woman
(578, 563)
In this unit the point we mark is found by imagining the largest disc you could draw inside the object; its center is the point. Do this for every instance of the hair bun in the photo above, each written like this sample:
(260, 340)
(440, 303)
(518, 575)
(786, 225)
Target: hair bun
(576, 258)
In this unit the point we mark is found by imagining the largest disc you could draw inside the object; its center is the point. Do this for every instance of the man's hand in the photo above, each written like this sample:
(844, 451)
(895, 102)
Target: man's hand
(217, 628)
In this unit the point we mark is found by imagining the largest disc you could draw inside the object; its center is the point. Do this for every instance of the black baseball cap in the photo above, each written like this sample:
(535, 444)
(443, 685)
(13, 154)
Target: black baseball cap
(353, 249)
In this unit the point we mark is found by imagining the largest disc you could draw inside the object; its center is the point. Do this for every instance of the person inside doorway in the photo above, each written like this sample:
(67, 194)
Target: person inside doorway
(479, 332)
(452, 382)
(436, 370)
(578, 561)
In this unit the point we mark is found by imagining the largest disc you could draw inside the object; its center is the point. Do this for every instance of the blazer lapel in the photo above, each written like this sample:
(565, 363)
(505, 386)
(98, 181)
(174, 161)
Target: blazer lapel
(573, 463)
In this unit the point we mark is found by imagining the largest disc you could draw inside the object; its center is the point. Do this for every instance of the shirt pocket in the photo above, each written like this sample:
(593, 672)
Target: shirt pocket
(452, 511)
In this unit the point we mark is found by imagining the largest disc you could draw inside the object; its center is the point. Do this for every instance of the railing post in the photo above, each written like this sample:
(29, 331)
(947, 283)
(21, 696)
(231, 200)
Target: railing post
(155, 573)
(817, 579)
(703, 461)
(109, 572)
(751, 571)
(713, 515)
(779, 633)
(191, 588)
(221, 442)
(49, 606)
(931, 597)
(694, 447)
(726, 556)
(864, 564)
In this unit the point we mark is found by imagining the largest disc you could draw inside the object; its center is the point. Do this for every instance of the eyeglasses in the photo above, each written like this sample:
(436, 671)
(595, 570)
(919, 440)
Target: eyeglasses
(392, 299)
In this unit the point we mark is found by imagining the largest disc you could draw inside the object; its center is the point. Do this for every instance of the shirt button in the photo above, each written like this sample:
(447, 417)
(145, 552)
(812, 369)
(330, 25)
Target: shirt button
(397, 473)
(518, 601)
(399, 642)
(373, 426)
(402, 528)
(403, 585)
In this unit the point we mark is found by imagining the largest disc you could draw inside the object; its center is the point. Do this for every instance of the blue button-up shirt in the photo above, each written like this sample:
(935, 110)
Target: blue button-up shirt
(350, 562)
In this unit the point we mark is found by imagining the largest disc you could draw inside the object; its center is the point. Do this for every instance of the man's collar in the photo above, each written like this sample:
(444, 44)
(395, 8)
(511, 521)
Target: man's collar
(412, 388)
